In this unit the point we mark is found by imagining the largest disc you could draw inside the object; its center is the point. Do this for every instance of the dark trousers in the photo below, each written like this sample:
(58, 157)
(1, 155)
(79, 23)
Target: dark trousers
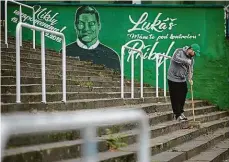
(178, 92)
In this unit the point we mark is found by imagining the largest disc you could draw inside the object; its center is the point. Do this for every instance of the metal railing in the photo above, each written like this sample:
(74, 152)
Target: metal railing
(157, 74)
(18, 75)
(226, 18)
(136, 1)
(20, 20)
(46, 122)
(132, 71)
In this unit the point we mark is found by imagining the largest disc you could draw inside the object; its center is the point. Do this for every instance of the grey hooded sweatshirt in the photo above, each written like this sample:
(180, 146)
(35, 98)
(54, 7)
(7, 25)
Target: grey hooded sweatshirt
(181, 66)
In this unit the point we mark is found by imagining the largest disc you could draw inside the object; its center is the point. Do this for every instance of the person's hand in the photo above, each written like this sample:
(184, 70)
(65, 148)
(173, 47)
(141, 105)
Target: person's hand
(191, 82)
(189, 62)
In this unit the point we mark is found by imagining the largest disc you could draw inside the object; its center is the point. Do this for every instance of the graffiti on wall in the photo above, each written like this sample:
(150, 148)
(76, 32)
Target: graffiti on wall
(150, 32)
(87, 45)
(153, 32)
(44, 18)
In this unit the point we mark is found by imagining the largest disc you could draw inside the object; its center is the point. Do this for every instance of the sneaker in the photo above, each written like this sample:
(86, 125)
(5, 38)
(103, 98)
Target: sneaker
(184, 117)
(180, 119)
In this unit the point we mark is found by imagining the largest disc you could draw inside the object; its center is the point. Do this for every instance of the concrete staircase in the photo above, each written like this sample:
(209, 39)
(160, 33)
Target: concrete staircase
(93, 86)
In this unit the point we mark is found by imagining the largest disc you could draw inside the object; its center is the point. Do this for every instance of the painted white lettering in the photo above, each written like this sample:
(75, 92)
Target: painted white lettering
(44, 18)
(157, 25)
(44, 14)
(149, 51)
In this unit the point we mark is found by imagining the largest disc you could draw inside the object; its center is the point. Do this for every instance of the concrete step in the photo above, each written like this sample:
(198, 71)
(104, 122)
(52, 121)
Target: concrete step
(33, 88)
(6, 59)
(70, 74)
(27, 48)
(163, 119)
(37, 68)
(36, 54)
(27, 45)
(159, 144)
(146, 105)
(37, 64)
(196, 148)
(83, 81)
(9, 57)
(51, 75)
(57, 96)
(217, 153)
(7, 80)
(71, 149)
(53, 56)
(26, 56)
(28, 70)
(79, 104)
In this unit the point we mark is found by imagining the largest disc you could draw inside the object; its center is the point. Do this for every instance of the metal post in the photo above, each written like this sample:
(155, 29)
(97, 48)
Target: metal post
(122, 72)
(165, 77)
(46, 122)
(34, 34)
(64, 68)
(21, 28)
(156, 75)
(18, 75)
(136, 1)
(4, 138)
(132, 70)
(6, 37)
(20, 19)
(132, 75)
(43, 66)
(42, 30)
(90, 146)
(141, 76)
(144, 137)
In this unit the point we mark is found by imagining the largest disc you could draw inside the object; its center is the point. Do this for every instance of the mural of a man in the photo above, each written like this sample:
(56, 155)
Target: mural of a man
(87, 45)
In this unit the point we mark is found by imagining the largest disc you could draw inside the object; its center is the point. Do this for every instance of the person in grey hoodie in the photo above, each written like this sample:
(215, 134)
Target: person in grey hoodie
(181, 69)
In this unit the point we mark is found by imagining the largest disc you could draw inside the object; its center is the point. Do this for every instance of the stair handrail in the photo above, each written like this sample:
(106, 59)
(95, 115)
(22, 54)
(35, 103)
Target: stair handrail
(226, 17)
(62, 121)
(18, 75)
(132, 71)
(20, 20)
(164, 73)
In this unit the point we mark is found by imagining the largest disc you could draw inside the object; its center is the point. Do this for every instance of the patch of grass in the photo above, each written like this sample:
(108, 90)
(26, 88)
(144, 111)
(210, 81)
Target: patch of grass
(86, 84)
(114, 142)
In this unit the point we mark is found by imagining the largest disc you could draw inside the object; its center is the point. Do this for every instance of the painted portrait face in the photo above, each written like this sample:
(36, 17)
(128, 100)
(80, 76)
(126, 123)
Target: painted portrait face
(88, 27)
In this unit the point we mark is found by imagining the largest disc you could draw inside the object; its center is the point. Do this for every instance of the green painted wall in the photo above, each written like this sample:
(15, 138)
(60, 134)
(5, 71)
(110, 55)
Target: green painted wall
(151, 30)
